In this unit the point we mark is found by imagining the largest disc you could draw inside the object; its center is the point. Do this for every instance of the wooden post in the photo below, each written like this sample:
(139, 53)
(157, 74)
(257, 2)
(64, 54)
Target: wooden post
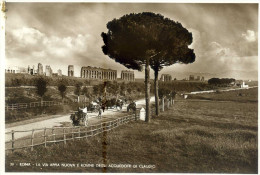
(45, 142)
(12, 140)
(86, 133)
(171, 101)
(54, 139)
(105, 125)
(32, 140)
(72, 131)
(162, 104)
(79, 132)
(64, 136)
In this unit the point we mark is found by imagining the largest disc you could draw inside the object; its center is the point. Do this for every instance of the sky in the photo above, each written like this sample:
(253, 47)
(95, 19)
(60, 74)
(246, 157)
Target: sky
(225, 36)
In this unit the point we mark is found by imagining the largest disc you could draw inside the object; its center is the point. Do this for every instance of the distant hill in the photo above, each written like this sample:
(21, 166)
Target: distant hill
(237, 74)
(242, 75)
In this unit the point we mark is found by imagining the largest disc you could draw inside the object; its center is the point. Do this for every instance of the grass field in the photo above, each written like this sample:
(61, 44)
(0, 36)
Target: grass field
(242, 95)
(191, 137)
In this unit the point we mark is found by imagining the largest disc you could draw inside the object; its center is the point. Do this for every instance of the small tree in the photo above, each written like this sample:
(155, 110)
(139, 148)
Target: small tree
(122, 88)
(16, 82)
(62, 88)
(164, 92)
(85, 92)
(129, 90)
(77, 90)
(98, 89)
(41, 87)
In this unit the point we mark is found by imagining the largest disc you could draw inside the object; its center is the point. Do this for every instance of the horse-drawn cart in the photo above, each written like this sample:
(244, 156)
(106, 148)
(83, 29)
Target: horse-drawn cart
(79, 117)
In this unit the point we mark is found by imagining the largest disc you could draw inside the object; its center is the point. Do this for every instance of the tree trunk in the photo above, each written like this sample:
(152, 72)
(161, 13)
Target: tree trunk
(41, 100)
(156, 88)
(162, 104)
(147, 91)
(41, 105)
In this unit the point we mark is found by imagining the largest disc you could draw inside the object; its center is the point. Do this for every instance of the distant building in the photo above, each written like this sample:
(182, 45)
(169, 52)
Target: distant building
(191, 78)
(70, 71)
(83, 99)
(243, 85)
(48, 71)
(40, 69)
(15, 70)
(166, 77)
(98, 73)
(59, 72)
(127, 75)
(31, 70)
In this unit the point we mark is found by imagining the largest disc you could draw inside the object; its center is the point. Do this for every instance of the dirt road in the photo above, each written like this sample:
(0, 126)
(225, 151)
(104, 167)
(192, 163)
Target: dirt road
(58, 121)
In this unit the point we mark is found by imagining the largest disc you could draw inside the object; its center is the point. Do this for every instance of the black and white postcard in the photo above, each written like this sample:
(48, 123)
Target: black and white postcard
(130, 87)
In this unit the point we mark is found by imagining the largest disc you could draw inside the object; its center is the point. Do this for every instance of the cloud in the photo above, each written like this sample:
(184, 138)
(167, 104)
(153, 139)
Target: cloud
(30, 46)
(29, 40)
(249, 36)
(59, 34)
(216, 58)
(215, 49)
(27, 36)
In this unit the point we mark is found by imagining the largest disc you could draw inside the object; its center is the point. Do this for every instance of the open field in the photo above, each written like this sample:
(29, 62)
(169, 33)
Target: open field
(243, 95)
(191, 137)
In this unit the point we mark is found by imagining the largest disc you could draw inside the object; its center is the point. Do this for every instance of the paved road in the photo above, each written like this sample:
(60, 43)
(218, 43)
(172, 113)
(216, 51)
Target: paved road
(221, 90)
(57, 121)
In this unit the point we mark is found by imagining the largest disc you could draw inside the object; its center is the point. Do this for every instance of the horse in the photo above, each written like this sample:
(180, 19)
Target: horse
(79, 117)
(131, 107)
(119, 103)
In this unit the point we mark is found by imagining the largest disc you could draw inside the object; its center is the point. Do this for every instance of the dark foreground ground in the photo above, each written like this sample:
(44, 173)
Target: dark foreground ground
(192, 137)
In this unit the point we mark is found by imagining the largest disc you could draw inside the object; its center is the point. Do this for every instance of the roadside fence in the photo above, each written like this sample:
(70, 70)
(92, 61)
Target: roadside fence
(46, 136)
(18, 106)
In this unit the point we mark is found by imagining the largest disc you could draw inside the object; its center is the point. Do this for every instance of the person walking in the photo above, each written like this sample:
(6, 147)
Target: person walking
(99, 112)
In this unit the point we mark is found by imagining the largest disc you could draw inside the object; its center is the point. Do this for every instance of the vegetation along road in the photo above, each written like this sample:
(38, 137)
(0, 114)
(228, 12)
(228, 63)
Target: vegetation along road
(190, 137)
(59, 121)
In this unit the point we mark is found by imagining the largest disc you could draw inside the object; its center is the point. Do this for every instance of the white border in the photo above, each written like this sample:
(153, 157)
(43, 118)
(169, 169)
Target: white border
(144, 1)
(2, 61)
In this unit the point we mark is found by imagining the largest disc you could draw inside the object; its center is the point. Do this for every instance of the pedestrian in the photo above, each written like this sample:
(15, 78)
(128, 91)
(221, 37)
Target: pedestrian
(99, 112)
